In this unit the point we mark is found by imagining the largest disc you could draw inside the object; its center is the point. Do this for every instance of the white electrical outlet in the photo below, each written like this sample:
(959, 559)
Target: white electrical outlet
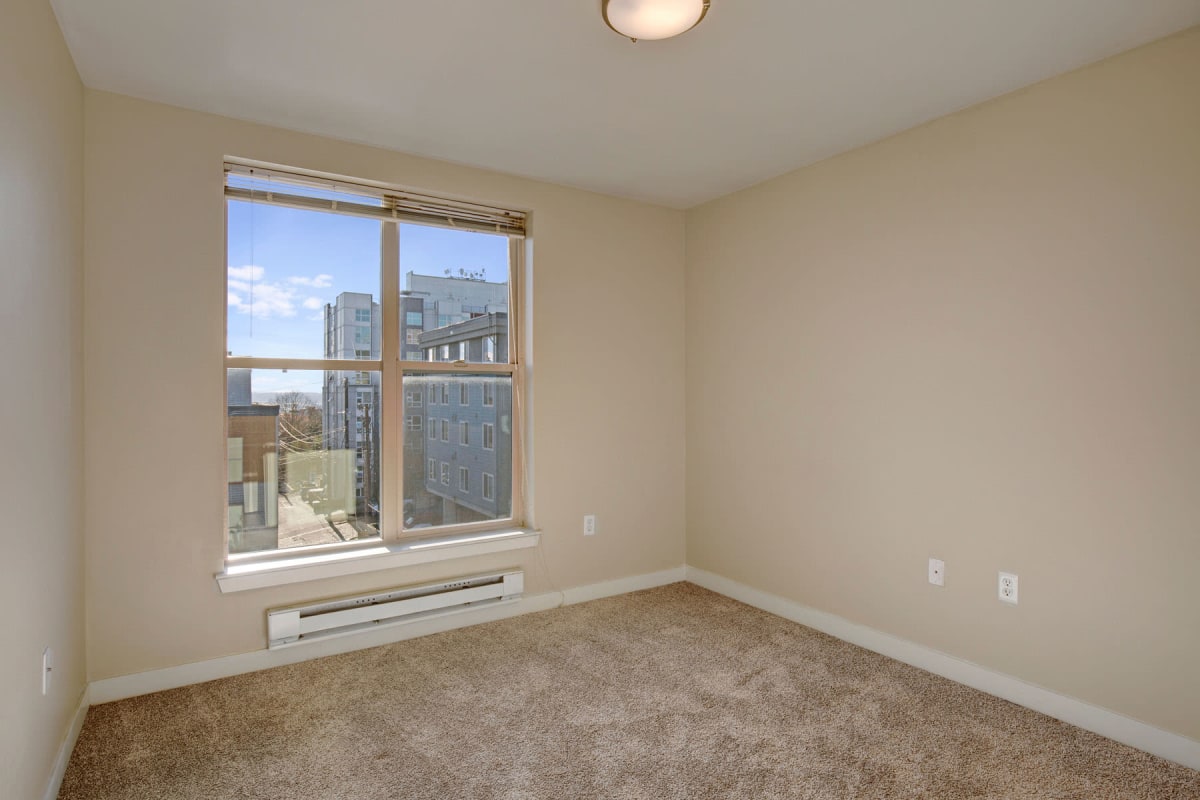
(47, 667)
(937, 572)
(1008, 588)
(589, 525)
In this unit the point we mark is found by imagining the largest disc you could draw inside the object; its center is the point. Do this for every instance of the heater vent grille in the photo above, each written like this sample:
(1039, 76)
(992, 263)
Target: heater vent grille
(345, 615)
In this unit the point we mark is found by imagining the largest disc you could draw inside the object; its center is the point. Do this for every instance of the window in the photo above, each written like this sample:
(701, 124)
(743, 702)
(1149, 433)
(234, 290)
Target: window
(315, 348)
(489, 395)
(489, 436)
(464, 433)
(464, 479)
(489, 348)
(489, 486)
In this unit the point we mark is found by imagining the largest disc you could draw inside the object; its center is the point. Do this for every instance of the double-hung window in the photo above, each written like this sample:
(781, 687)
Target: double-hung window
(326, 407)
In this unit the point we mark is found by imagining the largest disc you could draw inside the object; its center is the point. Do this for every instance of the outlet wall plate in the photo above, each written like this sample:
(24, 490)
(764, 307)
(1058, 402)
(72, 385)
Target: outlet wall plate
(937, 572)
(1007, 588)
(589, 525)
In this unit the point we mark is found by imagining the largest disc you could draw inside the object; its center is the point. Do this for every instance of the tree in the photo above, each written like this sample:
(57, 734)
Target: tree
(300, 428)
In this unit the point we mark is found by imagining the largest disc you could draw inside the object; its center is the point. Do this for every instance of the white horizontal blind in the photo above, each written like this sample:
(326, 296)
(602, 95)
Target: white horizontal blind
(279, 187)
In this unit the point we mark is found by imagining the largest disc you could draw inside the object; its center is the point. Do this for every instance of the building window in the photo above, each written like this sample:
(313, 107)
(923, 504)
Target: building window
(306, 443)
(464, 394)
(489, 436)
(489, 348)
(464, 479)
(489, 486)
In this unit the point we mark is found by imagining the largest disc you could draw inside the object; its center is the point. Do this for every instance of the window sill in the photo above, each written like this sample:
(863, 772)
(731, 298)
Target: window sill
(281, 571)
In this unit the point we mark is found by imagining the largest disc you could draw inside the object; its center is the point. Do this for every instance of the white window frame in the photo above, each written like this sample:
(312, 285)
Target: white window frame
(445, 474)
(488, 479)
(464, 479)
(464, 394)
(445, 430)
(488, 439)
(464, 433)
(489, 395)
(390, 362)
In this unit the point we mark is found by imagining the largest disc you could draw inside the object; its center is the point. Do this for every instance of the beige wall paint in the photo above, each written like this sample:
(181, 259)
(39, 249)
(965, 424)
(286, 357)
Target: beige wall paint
(979, 341)
(41, 490)
(607, 285)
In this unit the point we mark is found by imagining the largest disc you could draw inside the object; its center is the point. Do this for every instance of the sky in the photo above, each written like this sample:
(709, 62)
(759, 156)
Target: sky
(285, 264)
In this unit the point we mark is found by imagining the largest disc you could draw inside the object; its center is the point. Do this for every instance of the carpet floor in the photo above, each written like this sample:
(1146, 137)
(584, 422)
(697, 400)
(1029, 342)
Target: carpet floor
(674, 692)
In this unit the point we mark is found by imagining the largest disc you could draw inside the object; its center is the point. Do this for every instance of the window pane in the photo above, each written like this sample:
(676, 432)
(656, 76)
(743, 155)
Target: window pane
(451, 311)
(482, 447)
(303, 457)
(302, 284)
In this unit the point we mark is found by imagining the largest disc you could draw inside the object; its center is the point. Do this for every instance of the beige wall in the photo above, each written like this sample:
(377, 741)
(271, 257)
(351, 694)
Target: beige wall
(607, 285)
(41, 493)
(980, 341)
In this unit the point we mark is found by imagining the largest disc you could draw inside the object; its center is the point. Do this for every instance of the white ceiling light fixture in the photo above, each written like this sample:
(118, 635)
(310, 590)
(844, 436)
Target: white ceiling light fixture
(653, 19)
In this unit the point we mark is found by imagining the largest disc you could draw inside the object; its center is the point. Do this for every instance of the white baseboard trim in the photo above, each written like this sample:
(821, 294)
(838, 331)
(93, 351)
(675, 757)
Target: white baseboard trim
(634, 583)
(67, 746)
(123, 686)
(1110, 724)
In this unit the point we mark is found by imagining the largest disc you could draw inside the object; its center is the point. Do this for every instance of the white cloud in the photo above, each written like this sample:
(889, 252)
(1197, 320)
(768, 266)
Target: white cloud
(246, 273)
(313, 303)
(249, 294)
(321, 281)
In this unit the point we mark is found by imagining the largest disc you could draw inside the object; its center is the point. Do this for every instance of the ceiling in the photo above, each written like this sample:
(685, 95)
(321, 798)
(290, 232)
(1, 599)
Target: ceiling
(541, 88)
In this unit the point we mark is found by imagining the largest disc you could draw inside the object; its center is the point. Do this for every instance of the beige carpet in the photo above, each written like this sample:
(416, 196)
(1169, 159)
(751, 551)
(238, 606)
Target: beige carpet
(669, 693)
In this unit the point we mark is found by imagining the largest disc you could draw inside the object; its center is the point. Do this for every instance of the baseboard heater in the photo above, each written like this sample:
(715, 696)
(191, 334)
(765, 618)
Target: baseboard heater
(345, 615)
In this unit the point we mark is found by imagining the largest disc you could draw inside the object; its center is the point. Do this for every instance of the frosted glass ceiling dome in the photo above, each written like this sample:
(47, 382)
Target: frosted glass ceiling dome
(653, 19)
